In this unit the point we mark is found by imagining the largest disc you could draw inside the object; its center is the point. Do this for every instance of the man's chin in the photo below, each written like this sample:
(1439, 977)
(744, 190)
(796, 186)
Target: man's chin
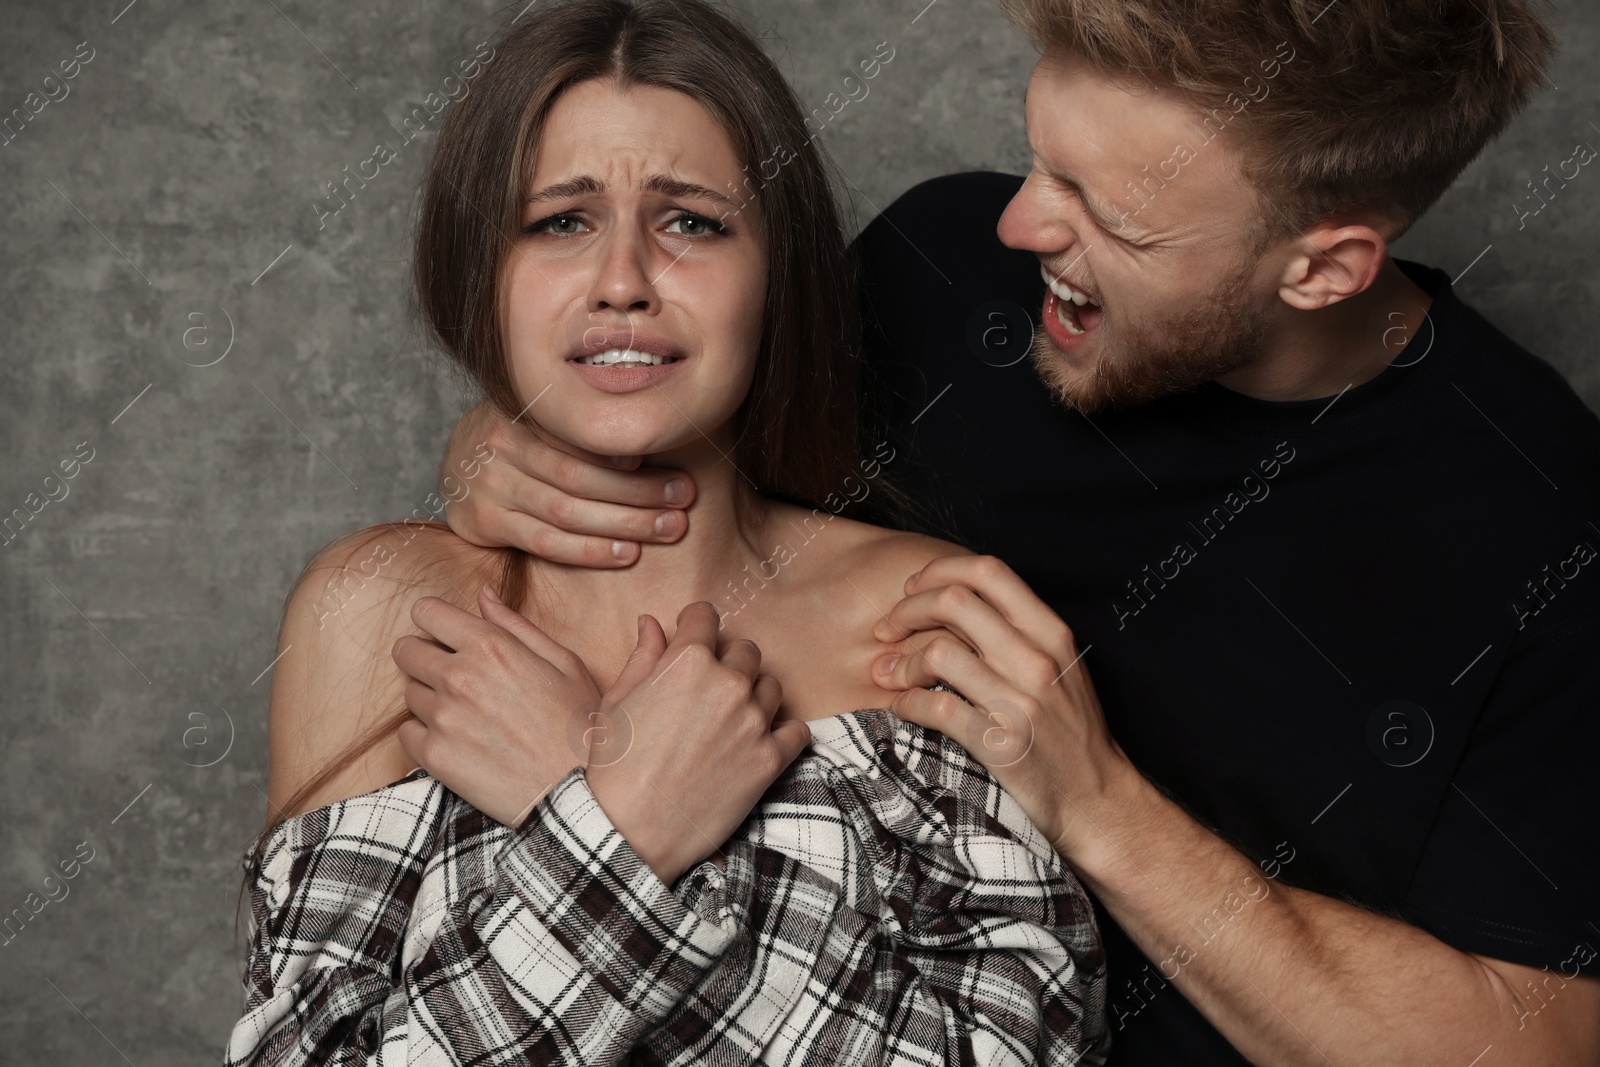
(1074, 379)
(1117, 378)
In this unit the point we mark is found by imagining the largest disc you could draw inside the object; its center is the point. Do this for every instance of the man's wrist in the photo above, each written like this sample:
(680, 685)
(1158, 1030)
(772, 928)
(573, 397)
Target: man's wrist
(1099, 830)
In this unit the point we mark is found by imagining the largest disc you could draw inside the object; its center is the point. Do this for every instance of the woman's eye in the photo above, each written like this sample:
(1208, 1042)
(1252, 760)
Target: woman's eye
(695, 225)
(564, 225)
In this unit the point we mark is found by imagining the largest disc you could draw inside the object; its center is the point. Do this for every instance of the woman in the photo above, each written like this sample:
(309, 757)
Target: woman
(572, 845)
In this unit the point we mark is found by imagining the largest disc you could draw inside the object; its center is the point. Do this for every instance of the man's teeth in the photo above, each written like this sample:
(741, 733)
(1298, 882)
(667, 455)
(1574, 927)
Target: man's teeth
(1064, 291)
(1065, 319)
(612, 357)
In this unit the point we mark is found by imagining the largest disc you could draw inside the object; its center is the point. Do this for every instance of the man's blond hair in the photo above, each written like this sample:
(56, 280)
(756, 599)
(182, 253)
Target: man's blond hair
(1334, 106)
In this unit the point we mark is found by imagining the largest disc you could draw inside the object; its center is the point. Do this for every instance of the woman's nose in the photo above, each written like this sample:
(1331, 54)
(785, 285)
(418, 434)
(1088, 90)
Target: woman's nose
(623, 280)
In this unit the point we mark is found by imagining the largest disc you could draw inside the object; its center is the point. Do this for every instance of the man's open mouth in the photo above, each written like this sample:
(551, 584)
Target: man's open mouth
(1075, 310)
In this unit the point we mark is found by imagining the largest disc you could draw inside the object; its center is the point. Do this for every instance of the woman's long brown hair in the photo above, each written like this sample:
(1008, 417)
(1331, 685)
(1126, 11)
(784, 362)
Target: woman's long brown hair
(800, 428)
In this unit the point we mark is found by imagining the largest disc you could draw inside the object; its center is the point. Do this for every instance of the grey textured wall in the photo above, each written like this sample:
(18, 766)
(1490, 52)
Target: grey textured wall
(179, 173)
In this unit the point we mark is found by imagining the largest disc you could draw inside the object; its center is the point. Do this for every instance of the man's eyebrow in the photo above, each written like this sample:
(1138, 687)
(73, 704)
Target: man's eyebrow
(1096, 207)
(586, 185)
(1093, 202)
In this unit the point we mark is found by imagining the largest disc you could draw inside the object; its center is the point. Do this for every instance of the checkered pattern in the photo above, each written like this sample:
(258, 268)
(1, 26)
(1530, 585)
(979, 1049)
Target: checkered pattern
(885, 903)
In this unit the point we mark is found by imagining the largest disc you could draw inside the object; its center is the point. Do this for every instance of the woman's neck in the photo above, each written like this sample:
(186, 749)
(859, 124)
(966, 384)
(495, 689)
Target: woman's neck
(594, 611)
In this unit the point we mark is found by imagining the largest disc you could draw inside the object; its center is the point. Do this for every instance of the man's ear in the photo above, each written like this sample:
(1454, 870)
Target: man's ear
(1334, 260)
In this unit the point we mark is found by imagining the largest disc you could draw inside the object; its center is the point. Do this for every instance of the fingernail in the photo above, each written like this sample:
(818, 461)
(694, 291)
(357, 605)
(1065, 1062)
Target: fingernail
(885, 664)
(666, 523)
(489, 592)
(619, 549)
(677, 491)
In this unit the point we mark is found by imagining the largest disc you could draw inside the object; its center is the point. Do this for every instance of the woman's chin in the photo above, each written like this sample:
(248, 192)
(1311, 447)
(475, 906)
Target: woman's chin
(614, 445)
(608, 430)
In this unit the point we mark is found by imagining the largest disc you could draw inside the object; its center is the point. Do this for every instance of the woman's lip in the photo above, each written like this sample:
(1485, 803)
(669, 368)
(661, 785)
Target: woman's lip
(614, 379)
(597, 341)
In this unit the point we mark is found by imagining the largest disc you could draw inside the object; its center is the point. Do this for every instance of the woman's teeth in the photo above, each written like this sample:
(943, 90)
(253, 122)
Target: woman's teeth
(625, 357)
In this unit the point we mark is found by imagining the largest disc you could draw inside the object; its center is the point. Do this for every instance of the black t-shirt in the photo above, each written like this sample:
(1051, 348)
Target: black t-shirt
(1357, 636)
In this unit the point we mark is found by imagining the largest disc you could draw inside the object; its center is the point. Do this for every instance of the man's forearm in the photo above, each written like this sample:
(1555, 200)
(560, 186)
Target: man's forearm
(1293, 977)
(1287, 976)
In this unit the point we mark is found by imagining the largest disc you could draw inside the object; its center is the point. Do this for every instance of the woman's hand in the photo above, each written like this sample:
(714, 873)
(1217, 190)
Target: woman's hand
(690, 744)
(678, 750)
(1034, 720)
(577, 508)
(502, 709)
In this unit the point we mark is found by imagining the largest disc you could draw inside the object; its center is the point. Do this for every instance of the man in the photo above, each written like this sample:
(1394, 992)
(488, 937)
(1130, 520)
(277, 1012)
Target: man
(1324, 537)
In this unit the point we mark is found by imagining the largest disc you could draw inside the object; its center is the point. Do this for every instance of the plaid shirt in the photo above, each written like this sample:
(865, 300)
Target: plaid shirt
(886, 902)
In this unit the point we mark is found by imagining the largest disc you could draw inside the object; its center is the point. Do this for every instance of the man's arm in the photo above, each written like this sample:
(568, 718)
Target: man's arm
(1300, 978)
(576, 508)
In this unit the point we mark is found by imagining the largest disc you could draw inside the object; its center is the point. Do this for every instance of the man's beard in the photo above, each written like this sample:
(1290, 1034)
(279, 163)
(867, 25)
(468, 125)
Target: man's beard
(1156, 358)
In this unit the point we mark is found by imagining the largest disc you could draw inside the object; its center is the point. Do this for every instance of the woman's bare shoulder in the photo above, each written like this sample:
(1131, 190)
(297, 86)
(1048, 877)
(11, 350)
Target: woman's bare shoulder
(860, 569)
(334, 679)
(860, 550)
(885, 558)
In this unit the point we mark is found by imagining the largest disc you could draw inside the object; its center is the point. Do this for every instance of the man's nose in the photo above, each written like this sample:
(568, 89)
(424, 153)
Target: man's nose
(1031, 224)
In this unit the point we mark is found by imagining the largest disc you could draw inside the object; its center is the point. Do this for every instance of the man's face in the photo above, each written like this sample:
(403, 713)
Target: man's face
(1132, 207)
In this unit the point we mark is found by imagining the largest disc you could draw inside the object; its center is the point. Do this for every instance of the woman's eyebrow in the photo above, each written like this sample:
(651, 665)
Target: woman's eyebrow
(668, 186)
(581, 186)
(585, 185)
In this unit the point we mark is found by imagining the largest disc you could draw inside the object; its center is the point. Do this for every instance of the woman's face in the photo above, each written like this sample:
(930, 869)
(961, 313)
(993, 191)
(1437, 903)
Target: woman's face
(631, 314)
